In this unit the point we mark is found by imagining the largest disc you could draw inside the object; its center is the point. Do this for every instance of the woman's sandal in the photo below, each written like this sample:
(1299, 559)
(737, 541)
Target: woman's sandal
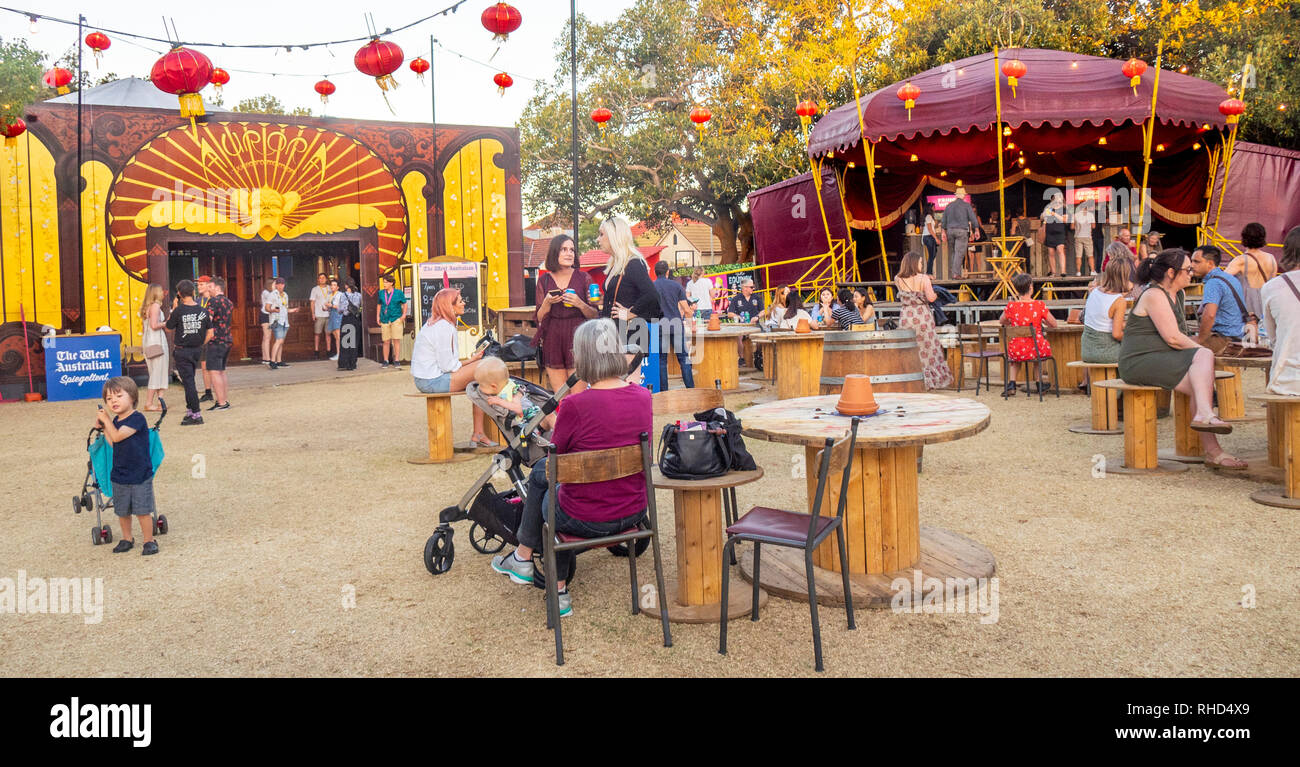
(1225, 461)
(1222, 427)
(481, 440)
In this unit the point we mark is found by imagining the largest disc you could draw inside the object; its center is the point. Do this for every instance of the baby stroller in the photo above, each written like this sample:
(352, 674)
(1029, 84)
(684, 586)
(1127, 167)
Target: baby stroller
(97, 488)
(495, 515)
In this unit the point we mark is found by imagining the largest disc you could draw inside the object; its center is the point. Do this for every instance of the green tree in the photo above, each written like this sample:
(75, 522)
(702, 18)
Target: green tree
(20, 77)
(269, 105)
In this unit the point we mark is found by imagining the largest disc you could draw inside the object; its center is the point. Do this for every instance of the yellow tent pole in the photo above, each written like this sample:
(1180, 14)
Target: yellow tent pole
(869, 153)
(1231, 144)
(1148, 133)
(997, 132)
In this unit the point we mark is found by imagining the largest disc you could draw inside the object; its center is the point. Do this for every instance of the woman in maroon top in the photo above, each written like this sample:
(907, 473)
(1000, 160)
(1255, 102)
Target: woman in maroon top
(562, 305)
(610, 413)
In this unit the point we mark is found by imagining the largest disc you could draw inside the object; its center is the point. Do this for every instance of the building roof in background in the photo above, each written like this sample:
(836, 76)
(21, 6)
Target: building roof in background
(127, 92)
(700, 235)
(535, 255)
(593, 258)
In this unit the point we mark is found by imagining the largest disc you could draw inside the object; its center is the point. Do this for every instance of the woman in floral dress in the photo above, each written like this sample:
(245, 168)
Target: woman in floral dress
(915, 293)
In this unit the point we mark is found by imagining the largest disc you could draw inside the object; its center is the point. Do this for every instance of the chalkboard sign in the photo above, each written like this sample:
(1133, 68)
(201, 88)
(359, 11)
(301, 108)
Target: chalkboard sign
(464, 276)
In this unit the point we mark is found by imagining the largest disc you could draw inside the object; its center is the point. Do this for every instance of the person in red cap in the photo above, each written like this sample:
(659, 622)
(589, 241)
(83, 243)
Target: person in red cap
(203, 285)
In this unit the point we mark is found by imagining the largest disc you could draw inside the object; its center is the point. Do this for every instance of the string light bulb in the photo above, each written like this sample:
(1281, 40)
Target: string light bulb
(1197, 145)
(32, 28)
(1101, 141)
(1006, 131)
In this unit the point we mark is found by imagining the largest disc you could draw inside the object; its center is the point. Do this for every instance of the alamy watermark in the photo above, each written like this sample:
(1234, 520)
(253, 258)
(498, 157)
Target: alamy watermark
(972, 596)
(53, 596)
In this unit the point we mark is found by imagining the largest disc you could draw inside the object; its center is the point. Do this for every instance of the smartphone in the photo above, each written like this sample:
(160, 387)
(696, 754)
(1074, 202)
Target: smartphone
(555, 293)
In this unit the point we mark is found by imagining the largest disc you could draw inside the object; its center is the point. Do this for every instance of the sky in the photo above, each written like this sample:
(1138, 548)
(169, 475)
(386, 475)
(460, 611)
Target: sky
(466, 93)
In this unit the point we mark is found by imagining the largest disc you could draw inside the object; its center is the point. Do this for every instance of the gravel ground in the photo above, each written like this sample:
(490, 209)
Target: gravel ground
(307, 500)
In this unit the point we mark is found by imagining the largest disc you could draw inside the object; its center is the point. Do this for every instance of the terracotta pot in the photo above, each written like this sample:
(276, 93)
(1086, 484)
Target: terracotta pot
(857, 399)
(715, 322)
(802, 326)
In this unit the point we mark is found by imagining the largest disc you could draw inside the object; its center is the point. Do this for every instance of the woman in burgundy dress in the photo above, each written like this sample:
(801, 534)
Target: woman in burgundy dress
(562, 305)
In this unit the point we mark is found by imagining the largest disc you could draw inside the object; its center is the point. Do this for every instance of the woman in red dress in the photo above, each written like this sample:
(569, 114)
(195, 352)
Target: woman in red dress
(562, 305)
(1026, 312)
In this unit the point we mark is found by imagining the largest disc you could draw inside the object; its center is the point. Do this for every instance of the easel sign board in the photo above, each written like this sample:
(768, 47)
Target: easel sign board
(463, 276)
(76, 367)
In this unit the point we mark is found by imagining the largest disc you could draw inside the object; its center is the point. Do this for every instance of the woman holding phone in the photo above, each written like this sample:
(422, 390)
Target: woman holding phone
(562, 305)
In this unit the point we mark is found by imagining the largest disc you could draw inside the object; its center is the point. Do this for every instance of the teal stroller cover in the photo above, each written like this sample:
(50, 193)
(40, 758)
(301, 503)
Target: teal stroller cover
(101, 458)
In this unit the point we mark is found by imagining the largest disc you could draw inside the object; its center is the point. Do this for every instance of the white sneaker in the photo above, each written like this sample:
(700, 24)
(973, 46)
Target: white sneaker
(335, 358)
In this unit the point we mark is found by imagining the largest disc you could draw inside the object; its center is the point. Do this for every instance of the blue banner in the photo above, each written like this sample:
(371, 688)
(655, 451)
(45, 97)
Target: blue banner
(76, 367)
(650, 364)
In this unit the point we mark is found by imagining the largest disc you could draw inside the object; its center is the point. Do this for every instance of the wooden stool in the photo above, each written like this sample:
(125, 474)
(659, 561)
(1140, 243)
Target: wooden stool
(1284, 441)
(1141, 455)
(1105, 401)
(1187, 441)
(1232, 405)
(438, 410)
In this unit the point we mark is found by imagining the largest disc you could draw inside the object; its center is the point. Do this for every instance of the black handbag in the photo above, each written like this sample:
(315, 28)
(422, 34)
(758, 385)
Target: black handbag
(492, 347)
(696, 454)
(518, 348)
(727, 421)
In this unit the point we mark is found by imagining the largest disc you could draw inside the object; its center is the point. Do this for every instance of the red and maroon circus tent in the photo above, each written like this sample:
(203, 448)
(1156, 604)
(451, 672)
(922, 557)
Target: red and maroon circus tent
(1072, 118)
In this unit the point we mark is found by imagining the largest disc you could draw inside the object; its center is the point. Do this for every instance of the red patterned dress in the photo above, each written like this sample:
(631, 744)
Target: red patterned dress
(917, 316)
(1027, 314)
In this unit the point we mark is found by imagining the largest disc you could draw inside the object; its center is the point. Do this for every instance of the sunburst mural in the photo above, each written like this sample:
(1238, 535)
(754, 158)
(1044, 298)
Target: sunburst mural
(253, 180)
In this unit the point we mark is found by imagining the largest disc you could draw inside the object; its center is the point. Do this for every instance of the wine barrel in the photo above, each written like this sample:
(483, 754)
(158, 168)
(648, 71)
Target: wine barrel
(891, 358)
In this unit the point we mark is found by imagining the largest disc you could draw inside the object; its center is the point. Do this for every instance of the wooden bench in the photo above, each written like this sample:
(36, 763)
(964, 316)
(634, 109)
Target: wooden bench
(1141, 453)
(1105, 401)
(441, 446)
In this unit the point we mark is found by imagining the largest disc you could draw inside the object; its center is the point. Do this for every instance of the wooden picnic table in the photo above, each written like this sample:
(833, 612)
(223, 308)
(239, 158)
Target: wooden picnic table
(881, 525)
(697, 589)
(798, 358)
(718, 357)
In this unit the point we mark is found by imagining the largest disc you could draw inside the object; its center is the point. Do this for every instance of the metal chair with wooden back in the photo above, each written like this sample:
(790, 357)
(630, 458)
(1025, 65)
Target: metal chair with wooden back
(982, 353)
(1007, 333)
(798, 530)
(585, 468)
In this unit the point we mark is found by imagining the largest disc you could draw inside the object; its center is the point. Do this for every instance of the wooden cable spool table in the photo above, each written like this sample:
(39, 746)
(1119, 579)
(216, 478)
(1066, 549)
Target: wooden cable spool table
(697, 589)
(714, 356)
(1105, 401)
(1284, 446)
(1141, 452)
(881, 526)
(798, 358)
(438, 415)
(1232, 403)
(1066, 340)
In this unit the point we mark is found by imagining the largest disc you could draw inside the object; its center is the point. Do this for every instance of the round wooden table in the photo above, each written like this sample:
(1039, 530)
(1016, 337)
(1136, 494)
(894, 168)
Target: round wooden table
(714, 356)
(1066, 341)
(799, 361)
(882, 531)
(697, 509)
(1283, 446)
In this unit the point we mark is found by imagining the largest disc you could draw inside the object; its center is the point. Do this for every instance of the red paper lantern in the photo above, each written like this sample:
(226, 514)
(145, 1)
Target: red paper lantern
(326, 89)
(219, 78)
(806, 109)
(379, 59)
(183, 72)
(1133, 69)
(600, 115)
(1232, 108)
(58, 78)
(419, 66)
(98, 42)
(12, 130)
(1014, 69)
(909, 93)
(701, 116)
(501, 19)
(503, 81)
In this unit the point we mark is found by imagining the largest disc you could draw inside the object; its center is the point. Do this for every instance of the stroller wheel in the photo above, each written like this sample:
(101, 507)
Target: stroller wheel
(76, 504)
(620, 549)
(86, 502)
(160, 526)
(483, 541)
(439, 551)
(94, 536)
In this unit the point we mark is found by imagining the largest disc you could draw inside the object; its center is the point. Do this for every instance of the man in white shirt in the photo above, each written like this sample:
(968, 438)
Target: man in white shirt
(1281, 320)
(699, 294)
(1083, 223)
(320, 312)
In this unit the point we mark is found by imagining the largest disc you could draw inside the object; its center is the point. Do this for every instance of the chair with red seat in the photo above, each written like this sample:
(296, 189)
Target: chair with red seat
(599, 466)
(797, 530)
